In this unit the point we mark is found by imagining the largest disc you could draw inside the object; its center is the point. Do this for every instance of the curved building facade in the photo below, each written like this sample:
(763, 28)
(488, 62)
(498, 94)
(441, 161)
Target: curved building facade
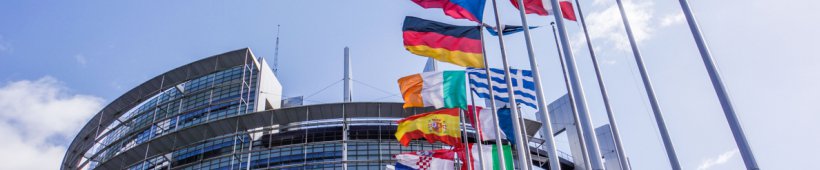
(223, 112)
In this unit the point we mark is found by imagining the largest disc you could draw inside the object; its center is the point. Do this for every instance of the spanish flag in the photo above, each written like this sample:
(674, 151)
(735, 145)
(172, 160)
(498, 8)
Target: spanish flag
(460, 45)
(440, 125)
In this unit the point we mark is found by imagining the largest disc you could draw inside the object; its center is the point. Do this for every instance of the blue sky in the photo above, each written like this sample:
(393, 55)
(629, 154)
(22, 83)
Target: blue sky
(67, 59)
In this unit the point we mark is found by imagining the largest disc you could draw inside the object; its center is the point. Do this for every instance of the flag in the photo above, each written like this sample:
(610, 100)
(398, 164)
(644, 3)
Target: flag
(459, 45)
(440, 89)
(491, 152)
(522, 82)
(486, 128)
(505, 123)
(435, 159)
(472, 10)
(440, 125)
(508, 29)
(540, 8)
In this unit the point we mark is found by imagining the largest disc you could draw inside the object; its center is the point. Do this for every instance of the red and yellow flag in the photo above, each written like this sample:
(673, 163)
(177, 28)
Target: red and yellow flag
(459, 45)
(440, 125)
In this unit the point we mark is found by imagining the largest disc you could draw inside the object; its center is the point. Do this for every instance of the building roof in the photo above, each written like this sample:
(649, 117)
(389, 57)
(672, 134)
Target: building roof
(85, 138)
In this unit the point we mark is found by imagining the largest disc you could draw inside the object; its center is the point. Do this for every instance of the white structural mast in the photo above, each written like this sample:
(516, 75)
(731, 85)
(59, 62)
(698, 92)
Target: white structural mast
(348, 89)
(430, 65)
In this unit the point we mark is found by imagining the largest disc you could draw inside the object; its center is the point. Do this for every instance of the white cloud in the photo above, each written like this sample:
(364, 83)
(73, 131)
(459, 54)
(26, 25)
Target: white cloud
(606, 24)
(721, 159)
(673, 19)
(4, 45)
(38, 119)
(81, 59)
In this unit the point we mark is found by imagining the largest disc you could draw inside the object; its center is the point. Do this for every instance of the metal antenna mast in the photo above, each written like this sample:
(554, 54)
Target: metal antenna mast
(276, 54)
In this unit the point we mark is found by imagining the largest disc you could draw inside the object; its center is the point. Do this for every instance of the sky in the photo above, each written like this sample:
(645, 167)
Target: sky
(62, 61)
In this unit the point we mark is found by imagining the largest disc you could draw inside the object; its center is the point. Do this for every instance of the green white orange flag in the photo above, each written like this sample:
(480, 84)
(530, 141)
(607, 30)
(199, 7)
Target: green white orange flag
(441, 89)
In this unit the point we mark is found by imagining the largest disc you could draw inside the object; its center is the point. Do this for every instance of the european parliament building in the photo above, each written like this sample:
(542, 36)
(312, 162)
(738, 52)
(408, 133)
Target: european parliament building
(225, 112)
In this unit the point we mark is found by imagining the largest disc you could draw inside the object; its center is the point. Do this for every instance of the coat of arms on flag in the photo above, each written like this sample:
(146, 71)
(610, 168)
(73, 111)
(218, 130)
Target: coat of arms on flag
(439, 125)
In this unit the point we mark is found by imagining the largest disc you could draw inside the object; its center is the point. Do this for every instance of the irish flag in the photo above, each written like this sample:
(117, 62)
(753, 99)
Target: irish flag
(442, 89)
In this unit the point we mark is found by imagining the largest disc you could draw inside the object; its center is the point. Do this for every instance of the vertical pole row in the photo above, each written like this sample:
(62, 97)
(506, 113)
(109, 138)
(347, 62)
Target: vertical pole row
(720, 89)
(650, 92)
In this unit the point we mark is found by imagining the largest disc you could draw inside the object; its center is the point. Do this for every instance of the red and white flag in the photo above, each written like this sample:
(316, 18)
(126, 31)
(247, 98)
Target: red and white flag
(542, 8)
(426, 160)
(486, 128)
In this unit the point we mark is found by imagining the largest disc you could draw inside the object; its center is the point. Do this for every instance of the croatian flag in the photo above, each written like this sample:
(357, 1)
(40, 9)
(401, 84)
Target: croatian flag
(426, 160)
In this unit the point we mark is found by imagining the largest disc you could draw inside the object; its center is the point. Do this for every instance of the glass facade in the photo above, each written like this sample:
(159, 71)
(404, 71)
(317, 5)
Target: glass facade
(314, 145)
(214, 120)
(200, 100)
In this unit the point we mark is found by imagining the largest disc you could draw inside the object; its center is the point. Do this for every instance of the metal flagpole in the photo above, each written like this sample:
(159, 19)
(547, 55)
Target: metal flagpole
(524, 164)
(477, 125)
(476, 120)
(619, 148)
(464, 139)
(524, 134)
(720, 89)
(650, 92)
(543, 111)
(499, 146)
(581, 139)
(578, 91)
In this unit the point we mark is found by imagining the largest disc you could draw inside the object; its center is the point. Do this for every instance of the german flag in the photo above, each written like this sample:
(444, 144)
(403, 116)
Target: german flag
(440, 125)
(460, 45)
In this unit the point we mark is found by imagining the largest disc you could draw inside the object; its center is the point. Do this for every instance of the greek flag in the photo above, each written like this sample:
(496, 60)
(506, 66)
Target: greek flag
(521, 80)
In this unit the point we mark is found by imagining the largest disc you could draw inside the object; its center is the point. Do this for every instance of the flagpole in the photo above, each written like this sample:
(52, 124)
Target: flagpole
(476, 120)
(524, 164)
(619, 148)
(650, 92)
(581, 139)
(720, 89)
(466, 143)
(499, 146)
(524, 134)
(543, 111)
(477, 125)
(575, 82)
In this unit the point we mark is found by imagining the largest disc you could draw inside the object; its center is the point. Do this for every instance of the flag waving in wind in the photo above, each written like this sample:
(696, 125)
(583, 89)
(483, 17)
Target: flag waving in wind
(488, 151)
(440, 89)
(426, 160)
(507, 29)
(472, 10)
(440, 125)
(522, 80)
(542, 8)
(459, 45)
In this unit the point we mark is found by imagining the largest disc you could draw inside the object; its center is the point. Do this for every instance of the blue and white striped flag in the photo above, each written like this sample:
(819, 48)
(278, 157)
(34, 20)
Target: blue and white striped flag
(521, 80)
